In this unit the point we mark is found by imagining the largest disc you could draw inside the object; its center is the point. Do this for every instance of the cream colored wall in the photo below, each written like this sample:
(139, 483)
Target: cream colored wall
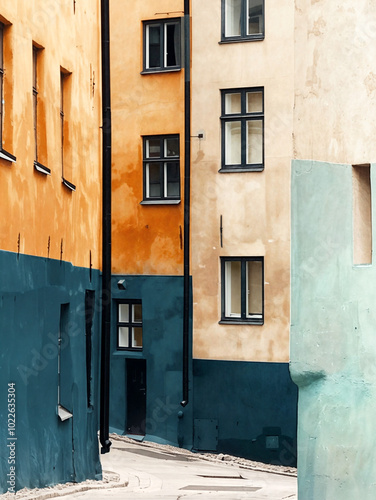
(255, 205)
(35, 206)
(335, 81)
(146, 238)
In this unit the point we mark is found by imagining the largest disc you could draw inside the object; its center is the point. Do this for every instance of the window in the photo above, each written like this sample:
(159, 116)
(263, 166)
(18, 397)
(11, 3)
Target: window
(1, 80)
(242, 129)
(89, 316)
(162, 45)
(64, 365)
(66, 147)
(3, 154)
(362, 214)
(161, 169)
(242, 20)
(36, 118)
(129, 325)
(242, 290)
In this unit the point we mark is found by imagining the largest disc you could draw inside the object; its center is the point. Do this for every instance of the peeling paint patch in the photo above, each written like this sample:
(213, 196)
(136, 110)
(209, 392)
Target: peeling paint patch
(318, 27)
(370, 83)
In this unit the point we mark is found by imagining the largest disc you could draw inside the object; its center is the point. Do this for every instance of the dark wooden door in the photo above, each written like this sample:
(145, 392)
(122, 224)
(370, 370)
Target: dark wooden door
(136, 396)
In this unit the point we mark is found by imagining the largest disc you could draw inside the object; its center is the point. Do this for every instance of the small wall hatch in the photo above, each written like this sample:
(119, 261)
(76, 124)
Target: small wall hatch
(205, 434)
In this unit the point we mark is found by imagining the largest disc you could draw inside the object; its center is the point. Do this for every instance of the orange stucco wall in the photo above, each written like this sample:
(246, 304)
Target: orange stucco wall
(40, 216)
(146, 238)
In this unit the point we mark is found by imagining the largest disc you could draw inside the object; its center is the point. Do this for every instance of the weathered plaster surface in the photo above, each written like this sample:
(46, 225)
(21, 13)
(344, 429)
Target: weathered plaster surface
(146, 238)
(335, 52)
(332, 337)
(254, 205)
(40, 208)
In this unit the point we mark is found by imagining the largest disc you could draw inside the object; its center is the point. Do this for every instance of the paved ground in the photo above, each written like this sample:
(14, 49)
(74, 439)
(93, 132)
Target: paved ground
(149, 472)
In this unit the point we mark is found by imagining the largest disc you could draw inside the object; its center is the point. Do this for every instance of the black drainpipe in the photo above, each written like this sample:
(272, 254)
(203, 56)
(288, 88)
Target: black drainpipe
(187, 199)
(106, 230)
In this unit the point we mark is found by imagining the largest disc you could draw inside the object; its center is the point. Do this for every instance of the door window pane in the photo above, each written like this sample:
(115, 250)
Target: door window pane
(254, 141)
(123, 336)
(233, 9)
(233, 143)
(254, 288)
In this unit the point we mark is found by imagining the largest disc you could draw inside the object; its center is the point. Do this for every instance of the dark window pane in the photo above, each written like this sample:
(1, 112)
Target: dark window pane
(153, 148)
(172, 34)
(173, 175)
(255, 17)
(137, 313)
(172, 147)
(137, 336)
(154, 180)
(154, 46)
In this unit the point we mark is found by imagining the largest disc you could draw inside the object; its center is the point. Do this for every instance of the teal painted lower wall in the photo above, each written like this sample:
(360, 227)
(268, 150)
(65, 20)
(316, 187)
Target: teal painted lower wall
(253, 403)
(254, 406)
(43, 449)
(166, 421)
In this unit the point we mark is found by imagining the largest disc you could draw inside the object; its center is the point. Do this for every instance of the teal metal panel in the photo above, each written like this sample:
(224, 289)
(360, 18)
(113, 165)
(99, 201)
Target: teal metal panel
(32, 290)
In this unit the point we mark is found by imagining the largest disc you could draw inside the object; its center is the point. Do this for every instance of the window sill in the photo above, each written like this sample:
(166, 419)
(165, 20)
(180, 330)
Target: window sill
(159, 70)
(160, 202)
(130, 353)
(256, 38)
(7, 156)
(241, 322)
(41, 168)
(68, 185)
(230, 170)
